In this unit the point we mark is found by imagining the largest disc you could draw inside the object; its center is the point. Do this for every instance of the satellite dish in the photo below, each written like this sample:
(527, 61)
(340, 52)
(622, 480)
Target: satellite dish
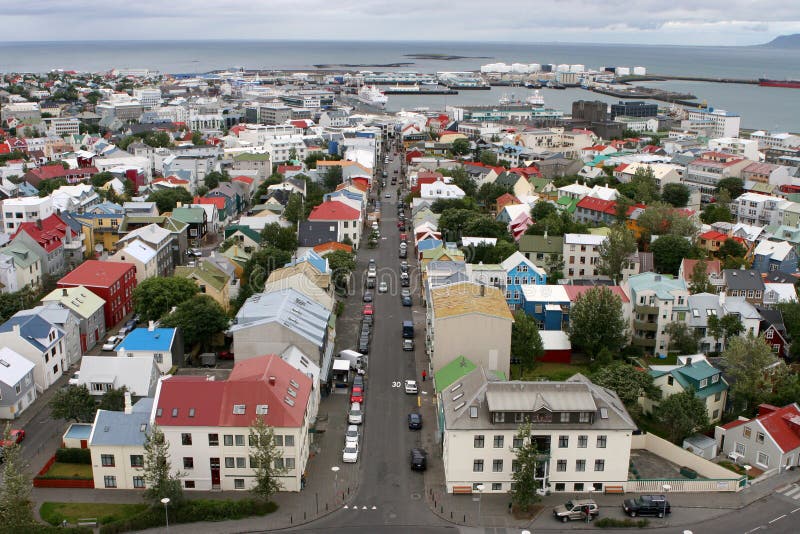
(98, 248)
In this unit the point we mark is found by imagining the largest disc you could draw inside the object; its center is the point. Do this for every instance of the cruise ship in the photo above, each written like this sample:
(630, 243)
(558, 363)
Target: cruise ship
(369, 94)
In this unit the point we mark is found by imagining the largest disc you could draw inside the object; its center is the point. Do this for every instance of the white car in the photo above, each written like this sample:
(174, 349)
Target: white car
(112, 343)
(351, 435)
(355, 416)
(350, 453)
(411, 387)
(383, 287)
(74, 380)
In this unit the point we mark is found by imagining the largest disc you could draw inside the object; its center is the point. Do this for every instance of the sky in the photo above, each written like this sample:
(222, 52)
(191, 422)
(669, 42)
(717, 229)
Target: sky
(677, 22)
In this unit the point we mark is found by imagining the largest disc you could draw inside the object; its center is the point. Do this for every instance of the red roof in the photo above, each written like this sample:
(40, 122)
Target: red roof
(245, 179)
(573, 292)
(332, 246)
(621, 167)
(713, 235)
(171, 180)
(734, 424)
(218, 202)
(333, 210)
(235, 130)
(527, 172)
(782, 424)
(4, 149)
(96, 273)
(51, 234)
(712, 266)
(263, 381)
(597, 204)
(282, 169)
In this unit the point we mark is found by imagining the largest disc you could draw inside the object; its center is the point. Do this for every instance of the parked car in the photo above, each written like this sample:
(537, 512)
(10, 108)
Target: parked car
(406, 300)
(111, 343)
(405, 281)
(16, 435)
(410, 387)
(404, 267)
(370, 282)
(196, 252)
(363, 344)
(419, 459)
(355, 416)
(358, 381)
(350, 453)
(225, 355)
(367, 319)
(408, 344)
(367, 310)
(576, 509)
(356, 395)
(414, 421)
(383, 287)
(73, 381)
(351, 434)
(367, 296)
(403, 253)
(656, 505)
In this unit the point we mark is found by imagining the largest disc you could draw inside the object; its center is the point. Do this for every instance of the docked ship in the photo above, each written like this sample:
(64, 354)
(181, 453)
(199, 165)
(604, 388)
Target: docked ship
(764, 82)
(534, 99)
(371, 95)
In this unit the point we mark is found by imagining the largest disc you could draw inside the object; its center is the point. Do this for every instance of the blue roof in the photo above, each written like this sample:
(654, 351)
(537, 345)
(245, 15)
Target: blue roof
(32, 328)
(120, 428)
(428, 244)
(158, 339)
(316, 261)
(661, 284)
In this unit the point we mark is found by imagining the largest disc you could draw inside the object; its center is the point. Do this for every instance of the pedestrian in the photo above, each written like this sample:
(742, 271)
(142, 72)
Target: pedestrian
(424, 375)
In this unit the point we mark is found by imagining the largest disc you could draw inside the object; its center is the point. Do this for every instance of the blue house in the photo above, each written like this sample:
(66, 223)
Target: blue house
(164, 345)
(775, 256)
(520, 271)
(548, 305)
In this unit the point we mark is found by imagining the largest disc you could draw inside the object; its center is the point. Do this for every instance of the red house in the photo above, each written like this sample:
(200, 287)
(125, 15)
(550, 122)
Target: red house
(113, 282)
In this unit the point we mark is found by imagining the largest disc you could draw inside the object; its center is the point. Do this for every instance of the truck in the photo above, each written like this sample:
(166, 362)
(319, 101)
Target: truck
(357, 360)
(408, 330)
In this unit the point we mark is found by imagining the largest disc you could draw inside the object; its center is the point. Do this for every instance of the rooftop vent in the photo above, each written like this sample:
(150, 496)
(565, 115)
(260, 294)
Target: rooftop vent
(459, 406)
(288, 401)
(294, 384)
(272, 380)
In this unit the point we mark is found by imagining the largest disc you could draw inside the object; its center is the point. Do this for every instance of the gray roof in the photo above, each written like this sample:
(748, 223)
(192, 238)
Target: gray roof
(120, 428)
(739, 279)
(700, 304)
(289, 307)
(34, 329)
(313, 233)
(553, 244)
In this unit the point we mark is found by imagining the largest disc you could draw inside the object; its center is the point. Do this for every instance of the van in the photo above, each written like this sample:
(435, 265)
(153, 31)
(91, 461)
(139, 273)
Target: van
(355, 416)
(408, 330)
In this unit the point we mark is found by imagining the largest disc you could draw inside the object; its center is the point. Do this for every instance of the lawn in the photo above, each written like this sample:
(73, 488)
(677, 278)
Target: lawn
(61, 470)
(739, 470)
(671, 359)
(56, 512)
(550, 371)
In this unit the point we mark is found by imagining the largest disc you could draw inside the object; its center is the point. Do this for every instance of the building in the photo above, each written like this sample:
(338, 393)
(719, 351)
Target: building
(581, 253)
(704, 173)
(20, 267)
(634, 108)
(142, 256)
(100, 226)
(771, 440)
(713, 270)
(211, 280)
(520, 271)
(40, 342)
(163, 345)
(767, 140)
(111, 281)
(703, 306)
(590, 111)
(718, 122)
(25, 210)
(160, 240)
(137, 374)
(543, 250)
(657, 301)
(348, 220)
(746, 283)
(771, 256)
(197, 221)
(17, 390)
(469, 320)
(759, 210)
(88, 307)
(207, 422)
(692, 372)
(64, 319)
(582, 432)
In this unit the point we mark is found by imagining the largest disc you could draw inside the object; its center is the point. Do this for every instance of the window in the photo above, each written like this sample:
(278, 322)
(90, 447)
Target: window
(578, 487)
(762, 459)
(747, 432)
(597, 486)
(477, 466)
(715, 415)
(715, 379)
(107, 460)
(584, 417)
(188, 462)
(238, 483)
(497, 486)
(239, 440)
(759, 437)
(670, 380)
(497, 466)
(517, 442)
(717, 396)
(288, 441)
(563, 442)
(240, 462)
(477, 442)
(560, 486)
(137, 460)
(188, 484)
(580, 465)
(561, 465)
(227, 440)
(213, 440)
(159, 357)
(769, 334)
(110, 481)
(583, 442)
(740, 448)
(186, 439)
(599, 465)
(278, 463)
(601, 442)
(565, 417)
(703, 383)
(498, 442)
(138, 482)
(515, 466)
(230, 462)
(289, 463)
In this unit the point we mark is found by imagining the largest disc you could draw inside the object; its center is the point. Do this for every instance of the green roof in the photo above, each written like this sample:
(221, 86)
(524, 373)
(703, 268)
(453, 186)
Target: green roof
(189, 215)
(567, 203)
(246, 230)
(662, 284)
(690, 376)
(538, 183)
(251, 157)
(205, 271)
(451, 372)
(23, 256)
(603, 230)
(537, 243)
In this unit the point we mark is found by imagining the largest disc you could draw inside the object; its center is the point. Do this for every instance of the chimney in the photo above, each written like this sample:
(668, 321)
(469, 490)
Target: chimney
(64, 292)
(39, 224)
(272, 380)
(16, 329)
(128, 405)
(688, 361)
(151, 325)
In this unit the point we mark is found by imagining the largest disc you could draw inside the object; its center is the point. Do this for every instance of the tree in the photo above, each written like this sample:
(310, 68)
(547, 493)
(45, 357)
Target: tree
(724, 327)
(333, 177)
(155, 297)
(682, 414)
(542, 209)
(199, 318)
(660, 218)
(526, 343)
(681, 338)
(716, 213)
(158, 139)
(487, 157)
(489, 254)
(131, 189)
(668, 252)
(733, 186)
(159, 479)
(294, 208)
(488, 194)
(486, 226)
(730, 248)
(645, 186)
(212, 179)
(676, 194)
(197, 140)
(614, 251)
(523, 495)
(460, 147)
(698, 281)
(746, 361)
(462, 179)
(791, 320)
(624, 205)
(786, 390)
(279, 237)
(73, 403)
(596, 321)
(312, 159)
(341, 264)
(16, 506)
(266, 457)
(627, 381)
(101, 178)
(453, 221)
(113, 400)
(167, 199)
(46, 187)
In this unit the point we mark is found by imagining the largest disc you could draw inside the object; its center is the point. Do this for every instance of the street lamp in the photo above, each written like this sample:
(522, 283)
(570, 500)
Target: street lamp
(666, 488)
(335, 470)
(165, 502)
(480, 488)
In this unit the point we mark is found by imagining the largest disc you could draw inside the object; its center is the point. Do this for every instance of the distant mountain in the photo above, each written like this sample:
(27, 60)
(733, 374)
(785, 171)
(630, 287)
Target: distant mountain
(784, 41)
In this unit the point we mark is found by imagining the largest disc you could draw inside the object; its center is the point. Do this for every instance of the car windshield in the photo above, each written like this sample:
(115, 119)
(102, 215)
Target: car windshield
(350, 450)
(352, 433)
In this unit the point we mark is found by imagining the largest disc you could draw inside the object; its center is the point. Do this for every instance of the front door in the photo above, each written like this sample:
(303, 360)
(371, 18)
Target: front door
(214, 473)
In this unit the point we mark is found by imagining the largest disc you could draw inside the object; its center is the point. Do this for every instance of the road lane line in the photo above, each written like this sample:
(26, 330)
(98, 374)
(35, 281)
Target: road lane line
(777, 519)
(419, 401)
(791, 491)
(795, 510)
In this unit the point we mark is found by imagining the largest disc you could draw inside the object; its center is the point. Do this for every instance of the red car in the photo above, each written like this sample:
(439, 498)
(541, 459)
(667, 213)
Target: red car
(225, 355)
(368, 310)
(357, 395)
(16, 436)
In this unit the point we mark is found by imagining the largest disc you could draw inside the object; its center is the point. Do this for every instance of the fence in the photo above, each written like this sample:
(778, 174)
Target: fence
(681, 485)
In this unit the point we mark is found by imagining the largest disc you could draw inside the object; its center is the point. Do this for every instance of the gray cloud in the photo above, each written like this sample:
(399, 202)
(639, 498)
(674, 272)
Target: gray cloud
(647, 21)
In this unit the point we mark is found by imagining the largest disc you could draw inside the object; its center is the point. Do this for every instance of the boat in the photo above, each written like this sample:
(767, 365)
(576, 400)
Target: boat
(397, 89)
(765, 82)
(505, 100)
(535, 99)
(369, 94)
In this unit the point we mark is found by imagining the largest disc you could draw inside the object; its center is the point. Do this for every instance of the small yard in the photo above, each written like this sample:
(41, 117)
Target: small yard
(56, 512)
(671, 359)
(549, 371)
(63, 470)
(739, 470)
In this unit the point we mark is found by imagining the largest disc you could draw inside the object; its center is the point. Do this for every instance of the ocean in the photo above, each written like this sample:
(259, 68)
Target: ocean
(760, 107)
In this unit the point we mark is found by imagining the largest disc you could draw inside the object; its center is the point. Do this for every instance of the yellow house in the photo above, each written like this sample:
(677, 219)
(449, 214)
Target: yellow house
(101, 226)
(211, 280)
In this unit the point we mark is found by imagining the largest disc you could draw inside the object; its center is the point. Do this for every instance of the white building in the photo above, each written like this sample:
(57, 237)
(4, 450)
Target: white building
(17, 391)
(657, 301)
(440, 190)
(62, 126)
(25, 209)
(581, 253)
(40, 343)
(767, 140)
(746, 148)
(720, 122)
(150, 97)
(137, 374)
(760, 210)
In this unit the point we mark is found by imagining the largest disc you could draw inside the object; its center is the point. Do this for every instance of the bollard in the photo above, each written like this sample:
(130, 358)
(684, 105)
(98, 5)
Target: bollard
(451, 515)
(291, 519)
(304, 515)
(465, 518)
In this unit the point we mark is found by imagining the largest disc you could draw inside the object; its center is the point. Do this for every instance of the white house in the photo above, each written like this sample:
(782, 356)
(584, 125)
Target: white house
(40, 342)
(17, 390)
(440, 189)
(771, 440)
(137, 374)
(581, 253)
(142, 256)
(25, 209)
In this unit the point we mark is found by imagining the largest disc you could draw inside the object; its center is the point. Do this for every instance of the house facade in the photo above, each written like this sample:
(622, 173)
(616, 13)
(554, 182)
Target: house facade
(17, 390)
(88, 307)
(39, 342)
(520, 271)
(771, 440)
(581, 252)
(113, 282)
(657, 300)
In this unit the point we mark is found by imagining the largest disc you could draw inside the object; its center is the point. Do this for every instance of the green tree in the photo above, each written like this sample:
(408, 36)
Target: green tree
(486, 226)
(487, 157)
(615, 250)
(167, 199)
(488, 194)
(131, 190)
(622, 208)
(733, 186)
(199, 318)
(460, 147)
(279, 237)
(543, 209)
(596, 322)
(627, 381)
(333, 177)
(786, 390)
(523, 495)
(731, 248)
(113, 400)
(267, 459)
(791, 320)
(724, 327)
(341, 264)
(489, 254)
(197, 140)
(716, 213)
(101, 178)
(259, 267)
(676, 194)
(452, 222)
(699, 281)
(660, 218)
(16, 506)
(645, 186)
(11, 303)
(158, 139)
(526, 343)
(682, 414)
(668, 252)
(212, 179)
(462, 179)
(294, 208)
(155, 297)
(312, 159)
(73, 403)
(681, 338)
(443, 204)
(746, 361)
(46, 187)
(159, 479)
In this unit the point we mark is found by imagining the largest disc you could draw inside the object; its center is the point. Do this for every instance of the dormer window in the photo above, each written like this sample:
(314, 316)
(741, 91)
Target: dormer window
(703, 383)
(715, 379)
(238, 409)
(473, 412)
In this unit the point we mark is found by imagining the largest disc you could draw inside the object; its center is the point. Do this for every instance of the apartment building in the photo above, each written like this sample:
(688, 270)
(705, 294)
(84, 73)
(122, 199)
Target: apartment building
(704, 173)
(581, 253)
(759, 210)
(657, 301)
(25, 210)
(718, 122)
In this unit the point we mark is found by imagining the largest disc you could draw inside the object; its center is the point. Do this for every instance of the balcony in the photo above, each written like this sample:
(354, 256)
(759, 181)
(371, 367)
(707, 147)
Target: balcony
(645, 309)
(643, 342)
(645, 325)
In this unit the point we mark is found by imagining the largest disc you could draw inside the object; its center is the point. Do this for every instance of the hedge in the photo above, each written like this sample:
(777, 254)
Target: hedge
(74, 456)
(192, 511)
(610, 522)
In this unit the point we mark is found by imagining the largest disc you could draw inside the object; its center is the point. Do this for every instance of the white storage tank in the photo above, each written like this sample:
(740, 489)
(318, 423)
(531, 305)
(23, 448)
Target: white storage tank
(534, 67)
(563, 68)
(639, 71)
(577, 68)
(623, 71)
(519, 67)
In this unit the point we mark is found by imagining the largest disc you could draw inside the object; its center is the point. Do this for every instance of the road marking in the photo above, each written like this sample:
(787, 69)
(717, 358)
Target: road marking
(795, 510)
(796, 496)
(791, 491)
(346, 507)
(419, 401)
(374, 507)
(757, 528)
(777, 519)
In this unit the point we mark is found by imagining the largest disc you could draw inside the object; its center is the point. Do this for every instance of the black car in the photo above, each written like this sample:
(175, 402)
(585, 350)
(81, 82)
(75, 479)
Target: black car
(414, 421)
(406, 301)
(419, 459)
(656, 505)
(405, 282)
(403, 253)
(363, 344)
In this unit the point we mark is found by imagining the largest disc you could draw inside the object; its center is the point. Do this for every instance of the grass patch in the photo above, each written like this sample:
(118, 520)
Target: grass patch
(69, 471)
(56, 512)
(551, 371)
(671, 359)
(738, 469)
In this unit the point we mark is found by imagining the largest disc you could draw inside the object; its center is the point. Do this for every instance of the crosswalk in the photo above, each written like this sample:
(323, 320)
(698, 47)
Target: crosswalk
(792, 491)
(356, 507)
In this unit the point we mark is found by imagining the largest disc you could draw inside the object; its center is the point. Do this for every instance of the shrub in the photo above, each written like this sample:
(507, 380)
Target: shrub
(74, 456)
(610, 522)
